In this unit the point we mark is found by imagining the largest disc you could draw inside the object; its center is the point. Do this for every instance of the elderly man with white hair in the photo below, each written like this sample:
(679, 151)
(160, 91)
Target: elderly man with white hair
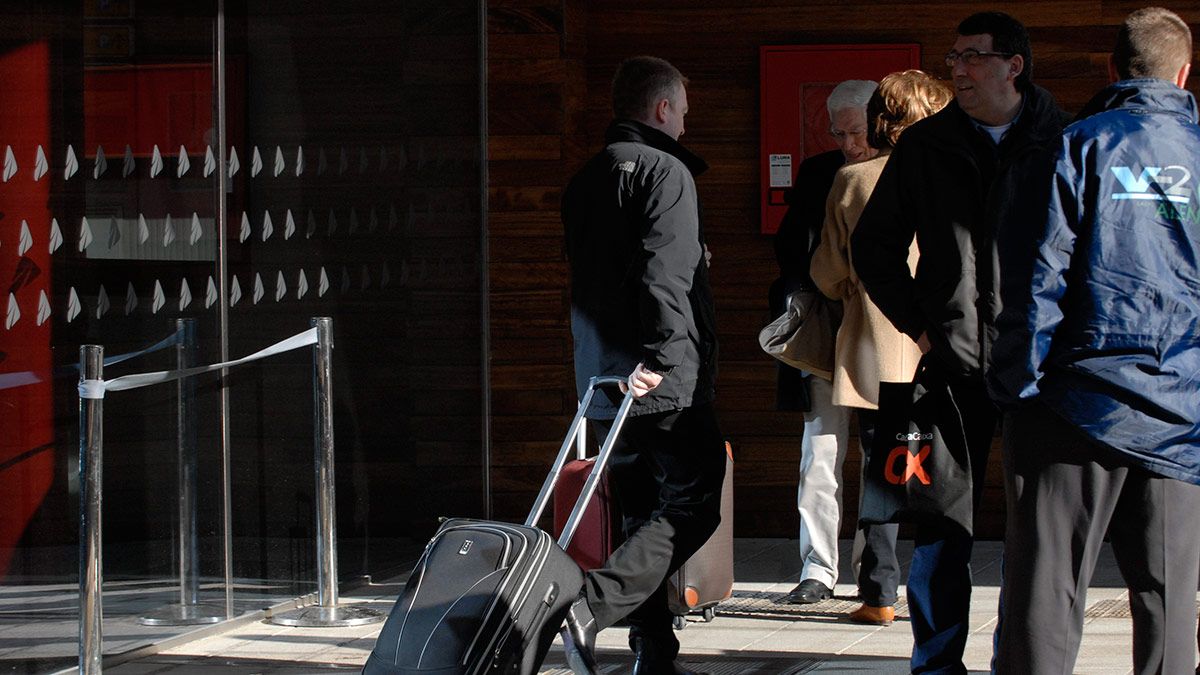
(826, 426)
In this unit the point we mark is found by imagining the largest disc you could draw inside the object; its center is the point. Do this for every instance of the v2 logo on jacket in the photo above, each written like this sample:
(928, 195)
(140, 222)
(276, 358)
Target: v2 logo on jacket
(912, 465)
(1154, 183)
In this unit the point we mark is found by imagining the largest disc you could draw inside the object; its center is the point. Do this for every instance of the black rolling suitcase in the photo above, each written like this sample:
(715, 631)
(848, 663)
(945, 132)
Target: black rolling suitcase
(489, 597)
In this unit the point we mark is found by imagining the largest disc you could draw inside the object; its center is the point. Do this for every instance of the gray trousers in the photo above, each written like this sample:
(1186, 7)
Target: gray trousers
(1064, 492)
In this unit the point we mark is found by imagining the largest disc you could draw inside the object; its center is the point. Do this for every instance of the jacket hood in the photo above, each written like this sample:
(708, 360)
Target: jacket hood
(1146, 94)
(632, 131)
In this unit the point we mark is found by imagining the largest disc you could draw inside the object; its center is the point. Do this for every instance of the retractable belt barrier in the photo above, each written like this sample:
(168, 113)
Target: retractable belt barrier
(92, 390)
(14, 380)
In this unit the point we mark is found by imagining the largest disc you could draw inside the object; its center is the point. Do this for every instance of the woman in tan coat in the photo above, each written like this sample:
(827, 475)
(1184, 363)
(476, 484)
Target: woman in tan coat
(869, 350)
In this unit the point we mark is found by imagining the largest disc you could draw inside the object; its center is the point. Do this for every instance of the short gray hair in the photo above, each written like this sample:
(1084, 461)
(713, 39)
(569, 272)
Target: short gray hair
(850, 94)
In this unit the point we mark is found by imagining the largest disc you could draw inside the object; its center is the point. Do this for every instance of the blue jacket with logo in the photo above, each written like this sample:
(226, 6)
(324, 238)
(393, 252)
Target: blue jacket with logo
(1103, 326)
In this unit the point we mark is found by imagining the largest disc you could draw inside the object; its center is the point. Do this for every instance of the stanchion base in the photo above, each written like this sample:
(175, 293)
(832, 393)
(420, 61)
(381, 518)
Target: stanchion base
(184, 615)
(325, 617)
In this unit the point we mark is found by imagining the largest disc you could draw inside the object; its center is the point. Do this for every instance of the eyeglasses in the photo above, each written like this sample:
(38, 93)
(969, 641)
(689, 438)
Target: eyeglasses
(840, 134)
(972, 57)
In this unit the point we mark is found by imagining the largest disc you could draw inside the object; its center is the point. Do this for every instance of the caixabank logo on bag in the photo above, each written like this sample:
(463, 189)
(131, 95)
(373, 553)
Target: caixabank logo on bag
(900, 456)
(1154, 183)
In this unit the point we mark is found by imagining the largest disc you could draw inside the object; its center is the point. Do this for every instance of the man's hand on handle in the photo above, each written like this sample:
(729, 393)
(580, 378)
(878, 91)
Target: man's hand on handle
(641, 381)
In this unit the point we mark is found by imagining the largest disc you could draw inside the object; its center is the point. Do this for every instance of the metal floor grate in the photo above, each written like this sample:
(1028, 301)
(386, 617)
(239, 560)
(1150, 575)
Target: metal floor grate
(762, 604)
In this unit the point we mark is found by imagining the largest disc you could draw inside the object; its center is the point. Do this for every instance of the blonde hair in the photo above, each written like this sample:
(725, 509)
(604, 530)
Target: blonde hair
(1152, 42)
(902, 99)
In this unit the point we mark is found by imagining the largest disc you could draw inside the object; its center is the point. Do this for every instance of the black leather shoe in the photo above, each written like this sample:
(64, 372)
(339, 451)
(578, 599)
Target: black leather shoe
(645, 663)
(579, 638)
(807, 592)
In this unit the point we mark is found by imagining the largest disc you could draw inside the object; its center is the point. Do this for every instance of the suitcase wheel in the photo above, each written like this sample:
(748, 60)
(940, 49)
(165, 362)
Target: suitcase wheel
(710, 613)
(680, 622)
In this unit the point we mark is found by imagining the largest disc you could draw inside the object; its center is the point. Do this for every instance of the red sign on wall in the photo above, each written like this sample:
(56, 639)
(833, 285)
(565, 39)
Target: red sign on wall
(794, 82)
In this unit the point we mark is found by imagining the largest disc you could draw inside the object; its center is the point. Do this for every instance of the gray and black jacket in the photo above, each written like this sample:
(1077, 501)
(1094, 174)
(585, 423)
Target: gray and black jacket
(639, 283)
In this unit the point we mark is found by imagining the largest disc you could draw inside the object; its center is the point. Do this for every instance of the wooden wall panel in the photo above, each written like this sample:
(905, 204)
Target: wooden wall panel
(542, 102)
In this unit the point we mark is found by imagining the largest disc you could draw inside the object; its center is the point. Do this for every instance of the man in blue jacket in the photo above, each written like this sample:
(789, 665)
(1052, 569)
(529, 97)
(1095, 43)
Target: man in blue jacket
(1098, 363)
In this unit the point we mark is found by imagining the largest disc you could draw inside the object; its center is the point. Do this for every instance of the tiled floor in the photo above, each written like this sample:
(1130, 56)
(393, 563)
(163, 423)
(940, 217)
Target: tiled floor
(750, 635)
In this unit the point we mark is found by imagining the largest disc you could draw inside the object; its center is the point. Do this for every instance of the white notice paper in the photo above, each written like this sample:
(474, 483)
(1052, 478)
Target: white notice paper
(781, 171)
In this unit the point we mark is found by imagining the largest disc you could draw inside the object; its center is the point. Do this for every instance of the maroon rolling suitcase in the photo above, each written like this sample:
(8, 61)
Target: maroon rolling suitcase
(600, 531)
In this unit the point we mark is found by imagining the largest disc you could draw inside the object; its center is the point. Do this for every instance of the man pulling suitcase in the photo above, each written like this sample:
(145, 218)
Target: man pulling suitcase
(641, 306)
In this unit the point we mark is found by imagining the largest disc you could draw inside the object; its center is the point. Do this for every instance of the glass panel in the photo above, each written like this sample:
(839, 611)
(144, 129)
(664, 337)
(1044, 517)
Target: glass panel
(353, 147)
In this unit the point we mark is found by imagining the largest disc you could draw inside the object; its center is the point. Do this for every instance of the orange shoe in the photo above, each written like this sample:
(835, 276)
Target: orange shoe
(880, 616)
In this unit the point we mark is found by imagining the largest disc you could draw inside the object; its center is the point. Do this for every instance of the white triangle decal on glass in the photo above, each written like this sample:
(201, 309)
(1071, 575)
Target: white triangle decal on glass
(343, 162)
(85, 235)
(268, 226)
(280, 287)
(197, 230)
(385, 276)
(299, 160)
(43, 308)
(258, 288)
(184, 163)
(10, 163)
(102, 304)
(101, 163)
(13, 313)
(235, 292)
(128, 165)
(56, 238)
(312, 225)
(383, 159)
(289, 227)
(210, 162)
(255, 162)
(322, 284)
(362, 160)
(168, 232)
(40, 166)
(234, 164)
(244, 234)
(322, 162)
(143, 229)
(301, 285)
(279, 166)
(114, 232)
(72, 164)
(73, 306)
(25, 241)
(210, 296)
(131, 300)
(185, 295)
(333, 224)
(353, 220)
(160, 298)
(156, 162)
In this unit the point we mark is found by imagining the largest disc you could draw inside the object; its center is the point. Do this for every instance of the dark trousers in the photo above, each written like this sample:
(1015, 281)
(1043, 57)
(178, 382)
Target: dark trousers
(939, 579)
(879, 570)
(1064, 492)
(666, 472)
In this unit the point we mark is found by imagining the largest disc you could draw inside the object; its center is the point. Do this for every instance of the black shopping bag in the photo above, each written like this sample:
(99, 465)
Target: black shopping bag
(918, 468)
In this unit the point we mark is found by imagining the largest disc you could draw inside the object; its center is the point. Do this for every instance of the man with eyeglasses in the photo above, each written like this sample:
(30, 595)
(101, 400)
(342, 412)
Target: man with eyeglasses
(826, 432)
(952, 181)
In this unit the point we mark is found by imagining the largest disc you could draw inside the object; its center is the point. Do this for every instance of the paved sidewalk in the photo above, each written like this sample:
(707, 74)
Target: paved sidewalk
(751, 635)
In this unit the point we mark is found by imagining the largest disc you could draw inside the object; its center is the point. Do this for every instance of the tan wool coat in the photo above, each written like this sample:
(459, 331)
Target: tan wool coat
(869, 350)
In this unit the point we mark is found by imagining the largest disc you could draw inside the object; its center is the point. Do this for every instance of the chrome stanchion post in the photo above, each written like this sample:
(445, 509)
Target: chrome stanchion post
(91, 447)
(326, 612)
(189, 611)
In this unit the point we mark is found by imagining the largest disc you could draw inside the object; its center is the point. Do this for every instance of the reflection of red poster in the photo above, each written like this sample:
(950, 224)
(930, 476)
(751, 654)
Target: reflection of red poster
(26, 416)
(794, 82)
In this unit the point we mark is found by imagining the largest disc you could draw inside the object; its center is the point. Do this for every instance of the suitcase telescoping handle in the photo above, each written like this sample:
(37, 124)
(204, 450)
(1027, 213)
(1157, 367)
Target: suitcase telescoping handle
(589, 487)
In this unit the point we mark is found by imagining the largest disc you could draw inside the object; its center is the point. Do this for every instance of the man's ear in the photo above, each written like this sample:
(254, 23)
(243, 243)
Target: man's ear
(660, 110)
(1182, 76)
(1113, 75)
(1016, 65)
